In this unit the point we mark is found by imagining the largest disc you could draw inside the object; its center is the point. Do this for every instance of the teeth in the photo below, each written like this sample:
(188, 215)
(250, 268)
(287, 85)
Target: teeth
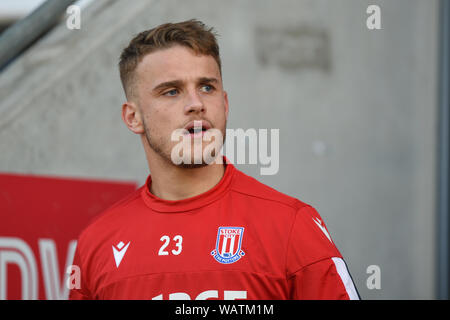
(196, 129)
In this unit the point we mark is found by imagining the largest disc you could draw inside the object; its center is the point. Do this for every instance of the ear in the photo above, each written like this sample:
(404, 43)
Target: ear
(225, 97)
(132, 117)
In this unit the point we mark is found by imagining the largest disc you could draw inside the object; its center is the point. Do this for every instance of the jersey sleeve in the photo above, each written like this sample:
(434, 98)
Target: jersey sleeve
(315, 267)
(79, 288)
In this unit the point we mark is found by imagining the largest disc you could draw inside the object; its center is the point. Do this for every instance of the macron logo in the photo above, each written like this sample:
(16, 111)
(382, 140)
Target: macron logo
(324, 230)
(119, 251)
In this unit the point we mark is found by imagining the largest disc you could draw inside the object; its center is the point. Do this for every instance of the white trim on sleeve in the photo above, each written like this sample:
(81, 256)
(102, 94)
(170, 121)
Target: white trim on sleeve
(345, 277)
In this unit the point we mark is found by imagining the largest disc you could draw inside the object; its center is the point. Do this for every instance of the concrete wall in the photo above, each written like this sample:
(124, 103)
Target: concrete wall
(356, 109)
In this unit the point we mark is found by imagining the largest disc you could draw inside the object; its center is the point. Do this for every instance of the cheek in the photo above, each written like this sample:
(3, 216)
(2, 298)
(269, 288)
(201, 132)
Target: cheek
(154, 117)
(220, 113)
(161, 123)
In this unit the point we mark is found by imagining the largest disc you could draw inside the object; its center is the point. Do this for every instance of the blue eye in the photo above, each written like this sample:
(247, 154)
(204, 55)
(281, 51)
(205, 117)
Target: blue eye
(171, 93)
(207, 88)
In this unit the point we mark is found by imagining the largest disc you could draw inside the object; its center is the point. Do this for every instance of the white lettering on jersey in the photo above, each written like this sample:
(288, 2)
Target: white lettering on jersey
(119, 251)
(179, 241)
(227, 295)
(166, 239)
(162, 251)
(233, 295)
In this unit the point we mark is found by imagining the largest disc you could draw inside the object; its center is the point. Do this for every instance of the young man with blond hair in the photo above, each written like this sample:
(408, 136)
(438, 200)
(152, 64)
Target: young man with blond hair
(199, 229)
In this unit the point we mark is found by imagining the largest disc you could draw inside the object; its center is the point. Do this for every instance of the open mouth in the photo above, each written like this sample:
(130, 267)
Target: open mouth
(197, 128)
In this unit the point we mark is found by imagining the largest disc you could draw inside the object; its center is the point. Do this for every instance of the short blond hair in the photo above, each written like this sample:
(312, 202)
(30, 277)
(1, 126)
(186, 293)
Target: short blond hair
(191, 33)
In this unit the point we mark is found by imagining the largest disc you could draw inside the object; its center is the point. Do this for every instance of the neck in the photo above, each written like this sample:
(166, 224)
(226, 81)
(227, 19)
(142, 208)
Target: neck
(171, 182)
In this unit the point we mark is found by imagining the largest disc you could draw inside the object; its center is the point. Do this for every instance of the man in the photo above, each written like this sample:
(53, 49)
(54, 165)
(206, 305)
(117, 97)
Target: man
(199, 229)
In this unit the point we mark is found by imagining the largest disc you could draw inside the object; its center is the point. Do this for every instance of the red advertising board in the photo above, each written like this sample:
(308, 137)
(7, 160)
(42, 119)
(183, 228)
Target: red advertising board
(40, 220)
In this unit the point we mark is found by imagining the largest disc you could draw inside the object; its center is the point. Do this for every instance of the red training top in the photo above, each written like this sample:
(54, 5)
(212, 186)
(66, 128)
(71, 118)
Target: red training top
(239, 240)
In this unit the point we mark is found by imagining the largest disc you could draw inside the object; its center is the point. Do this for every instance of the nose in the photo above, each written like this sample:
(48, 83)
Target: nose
(194, 104)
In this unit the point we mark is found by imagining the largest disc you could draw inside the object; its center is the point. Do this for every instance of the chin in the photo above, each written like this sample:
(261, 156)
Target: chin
(192, 166)
(198, 162)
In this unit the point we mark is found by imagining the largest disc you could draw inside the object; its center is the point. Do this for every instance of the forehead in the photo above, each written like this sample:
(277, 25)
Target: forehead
(175, 63)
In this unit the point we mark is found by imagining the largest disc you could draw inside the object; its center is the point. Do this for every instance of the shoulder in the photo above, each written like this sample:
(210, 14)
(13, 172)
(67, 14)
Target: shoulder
(250, 187)
(280, 207)
(108, 219)
(301, 216)
(298, 224)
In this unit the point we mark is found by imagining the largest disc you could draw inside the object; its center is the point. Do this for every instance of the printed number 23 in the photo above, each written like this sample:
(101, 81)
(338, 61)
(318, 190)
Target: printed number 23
(178, 243)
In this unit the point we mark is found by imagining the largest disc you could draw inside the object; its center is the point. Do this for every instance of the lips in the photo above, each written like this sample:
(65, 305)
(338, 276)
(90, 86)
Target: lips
(197, 127)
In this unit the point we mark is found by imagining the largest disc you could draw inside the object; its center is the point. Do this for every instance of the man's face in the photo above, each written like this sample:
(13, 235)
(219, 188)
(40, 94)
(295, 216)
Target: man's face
(176, 87)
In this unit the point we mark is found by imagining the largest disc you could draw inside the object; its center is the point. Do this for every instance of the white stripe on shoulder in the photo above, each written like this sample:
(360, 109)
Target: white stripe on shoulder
(345, 277)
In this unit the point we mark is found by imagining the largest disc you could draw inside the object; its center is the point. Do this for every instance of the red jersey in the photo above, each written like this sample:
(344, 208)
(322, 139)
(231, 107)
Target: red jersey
(239, 240)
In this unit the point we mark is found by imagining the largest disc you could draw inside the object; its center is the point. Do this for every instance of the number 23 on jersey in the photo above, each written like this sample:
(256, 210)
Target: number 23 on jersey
(177, 240)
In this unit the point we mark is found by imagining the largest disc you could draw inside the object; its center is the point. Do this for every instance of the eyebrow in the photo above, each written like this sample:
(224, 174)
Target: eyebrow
(179, 83)
(208, 80)
(167, 84)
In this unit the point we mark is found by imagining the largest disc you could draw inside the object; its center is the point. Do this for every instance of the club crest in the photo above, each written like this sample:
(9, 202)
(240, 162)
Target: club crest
(228, 245)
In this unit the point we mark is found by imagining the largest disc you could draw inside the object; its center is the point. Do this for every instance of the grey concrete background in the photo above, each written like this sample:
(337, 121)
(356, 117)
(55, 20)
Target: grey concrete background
(356, 109)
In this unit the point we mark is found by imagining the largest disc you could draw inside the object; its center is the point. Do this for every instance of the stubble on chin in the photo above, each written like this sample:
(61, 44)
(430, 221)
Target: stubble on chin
(161, 148)
(157, 146)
